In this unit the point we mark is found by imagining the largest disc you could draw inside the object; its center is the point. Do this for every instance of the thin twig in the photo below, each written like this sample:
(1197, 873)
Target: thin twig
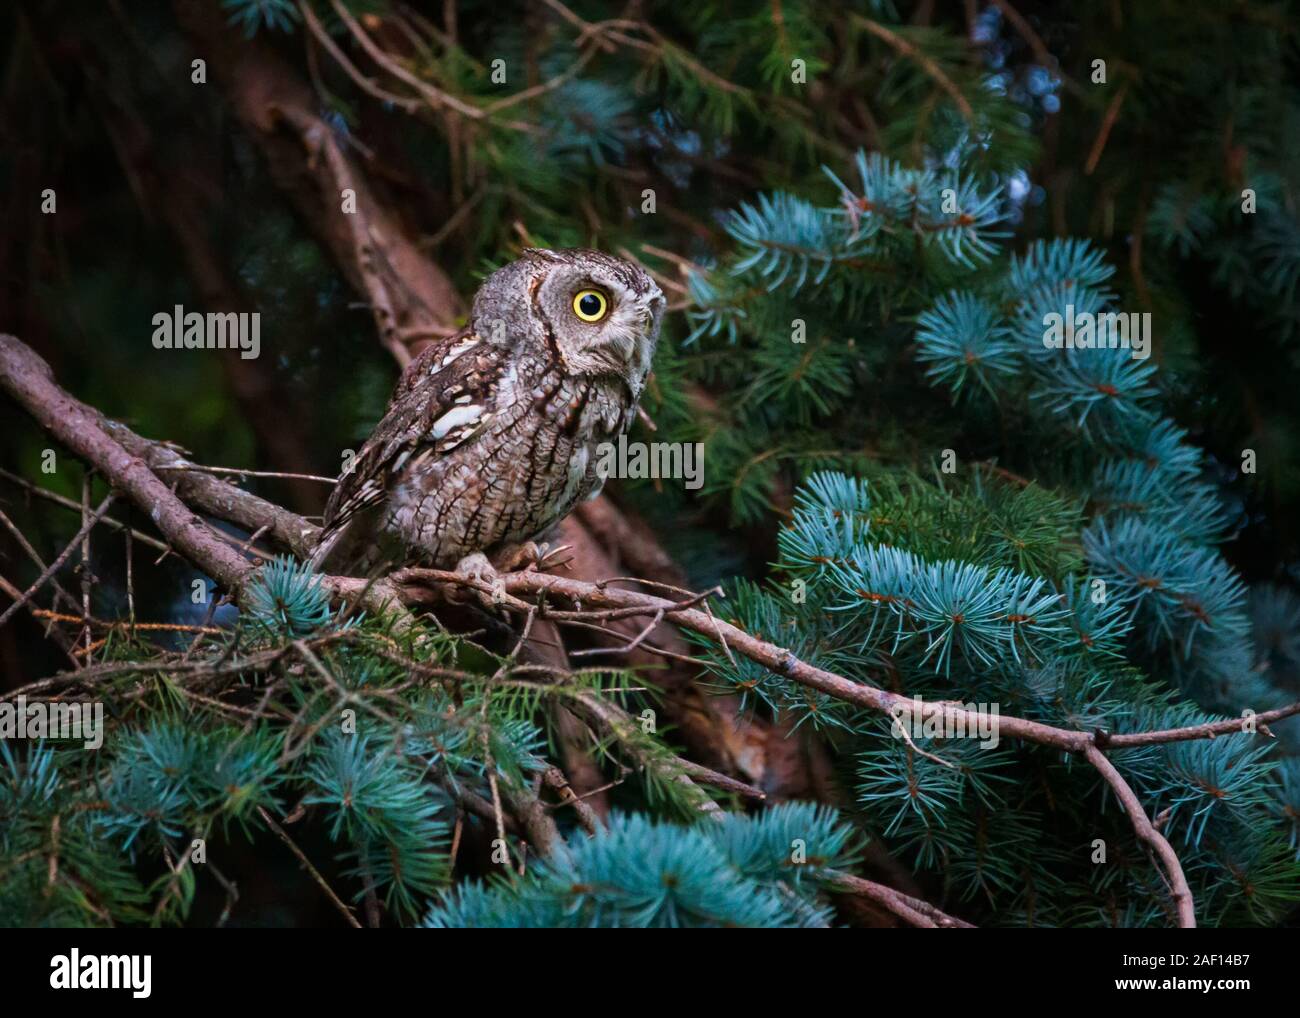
(249, 473)
(54, 566)
(913, 52)
(1146, 831)
(68, 503)
(587, 817)
(32, 554)
(912, 910)
(279, 832)
(85, 561)
(1107, 123)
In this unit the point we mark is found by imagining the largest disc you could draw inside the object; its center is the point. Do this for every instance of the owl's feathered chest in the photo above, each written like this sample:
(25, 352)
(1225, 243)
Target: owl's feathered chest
(505, 459)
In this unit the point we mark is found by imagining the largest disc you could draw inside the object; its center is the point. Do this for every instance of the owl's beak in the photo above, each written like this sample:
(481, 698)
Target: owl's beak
(654, 316)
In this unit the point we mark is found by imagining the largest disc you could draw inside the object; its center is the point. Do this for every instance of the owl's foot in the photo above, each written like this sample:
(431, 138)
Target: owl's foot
(479, 569)
(528, 555)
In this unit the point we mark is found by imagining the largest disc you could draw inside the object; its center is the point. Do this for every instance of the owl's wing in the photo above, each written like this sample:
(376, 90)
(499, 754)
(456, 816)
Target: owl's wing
(442, 400)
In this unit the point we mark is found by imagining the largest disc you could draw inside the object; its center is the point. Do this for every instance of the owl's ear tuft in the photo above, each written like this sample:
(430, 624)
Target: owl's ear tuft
(542, 252)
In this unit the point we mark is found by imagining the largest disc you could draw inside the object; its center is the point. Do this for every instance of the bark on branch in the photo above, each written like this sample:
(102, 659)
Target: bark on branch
(409, 295)
(29, 380)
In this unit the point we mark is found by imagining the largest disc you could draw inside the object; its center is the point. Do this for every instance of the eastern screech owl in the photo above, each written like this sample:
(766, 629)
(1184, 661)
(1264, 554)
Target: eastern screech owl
(491, 434)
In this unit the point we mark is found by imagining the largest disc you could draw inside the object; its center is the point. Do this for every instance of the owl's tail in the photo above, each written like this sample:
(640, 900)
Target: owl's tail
(325, 545)
(354, 547)
(329, 554)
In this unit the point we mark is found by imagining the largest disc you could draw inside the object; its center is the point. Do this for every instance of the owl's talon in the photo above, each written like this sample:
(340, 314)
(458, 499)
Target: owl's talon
(536, 553)
(526, 556)
(477, 569)
(550, 553)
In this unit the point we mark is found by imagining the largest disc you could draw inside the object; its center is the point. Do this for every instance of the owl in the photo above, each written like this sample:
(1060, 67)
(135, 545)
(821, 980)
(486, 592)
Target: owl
(491, 436)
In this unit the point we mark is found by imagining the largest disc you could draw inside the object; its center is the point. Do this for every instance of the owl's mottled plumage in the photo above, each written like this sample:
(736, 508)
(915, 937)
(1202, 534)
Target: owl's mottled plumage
(491, 434)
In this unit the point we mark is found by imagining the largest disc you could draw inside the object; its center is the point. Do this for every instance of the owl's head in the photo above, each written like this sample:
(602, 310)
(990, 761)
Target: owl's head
(601, 313)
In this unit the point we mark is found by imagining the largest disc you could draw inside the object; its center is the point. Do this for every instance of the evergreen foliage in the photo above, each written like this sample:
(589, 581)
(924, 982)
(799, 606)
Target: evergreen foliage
(766, 871)
(903, 485)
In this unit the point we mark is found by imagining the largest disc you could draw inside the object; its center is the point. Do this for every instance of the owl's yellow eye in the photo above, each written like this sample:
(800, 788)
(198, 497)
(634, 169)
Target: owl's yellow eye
(590, 305)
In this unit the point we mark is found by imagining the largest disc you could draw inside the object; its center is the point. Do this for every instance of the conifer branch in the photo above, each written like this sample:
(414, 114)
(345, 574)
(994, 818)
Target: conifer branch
(597, 598)
(912, 910)
(29, 381)
(913, 52)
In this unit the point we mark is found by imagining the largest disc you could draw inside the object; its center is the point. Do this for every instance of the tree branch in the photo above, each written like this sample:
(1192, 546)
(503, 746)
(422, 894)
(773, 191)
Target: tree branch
(120, 457)
(912, 910)
(29, 380)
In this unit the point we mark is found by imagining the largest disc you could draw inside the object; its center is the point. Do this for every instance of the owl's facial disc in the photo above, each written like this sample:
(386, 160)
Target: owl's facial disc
(603, 312)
